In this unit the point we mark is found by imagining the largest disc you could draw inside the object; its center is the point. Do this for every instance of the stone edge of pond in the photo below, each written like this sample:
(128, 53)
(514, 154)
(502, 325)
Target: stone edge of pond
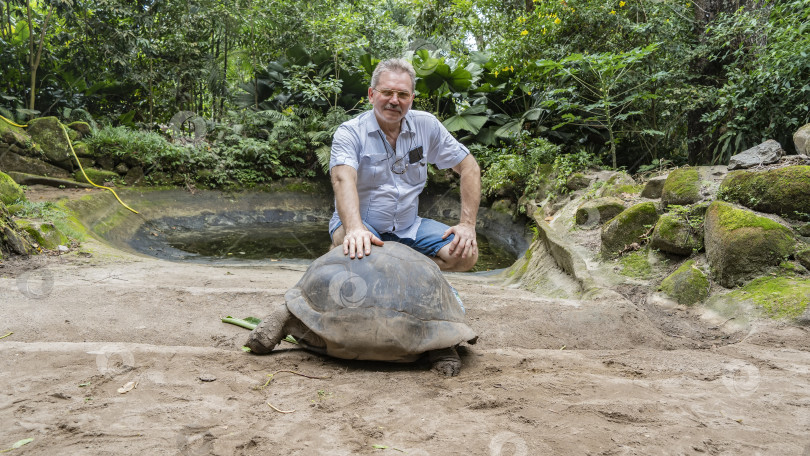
(568, 260)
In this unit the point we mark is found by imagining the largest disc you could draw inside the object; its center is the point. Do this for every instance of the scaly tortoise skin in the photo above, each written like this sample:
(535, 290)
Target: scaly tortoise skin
(392, 305)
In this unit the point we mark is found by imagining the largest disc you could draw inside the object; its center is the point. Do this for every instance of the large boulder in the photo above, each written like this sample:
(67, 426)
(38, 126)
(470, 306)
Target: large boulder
(741, 244)
(13, 135)
(83, 128)
(654, 187)
(673, 234)
(9, 190)
(10, 161)
(764, 154)
(46, 235)
(682, 187)
(597, 211)
(803, 256)
(97, 176)
(784, 191)
(577, 181)
(628, 227)
(12, 239)
(619, 184)
(687, 285)
(801, 139)
(50, 134)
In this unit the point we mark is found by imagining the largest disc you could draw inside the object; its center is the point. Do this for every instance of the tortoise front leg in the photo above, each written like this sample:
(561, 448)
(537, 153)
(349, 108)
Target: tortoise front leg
(270, 331)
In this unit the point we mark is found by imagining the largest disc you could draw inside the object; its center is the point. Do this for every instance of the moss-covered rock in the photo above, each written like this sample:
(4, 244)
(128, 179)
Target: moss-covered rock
(50, 135)
(82, 151)
(741, 245)
(672, 234)
(577, 181)
(688, 285)
(12, 135)
(15, 162)
(13, 240)
(778, 297)
(803, 230)
(45, 234)
(784, 191)
(83, 128)
(654, 187)
(628, 227)
(801, 139)
(614, 183)
(597, 211)
(9, 190)
(98, 176)
(803, 256)
(682, 187)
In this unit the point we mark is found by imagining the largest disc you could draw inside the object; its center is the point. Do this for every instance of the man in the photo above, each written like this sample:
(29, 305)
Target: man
(379, 168)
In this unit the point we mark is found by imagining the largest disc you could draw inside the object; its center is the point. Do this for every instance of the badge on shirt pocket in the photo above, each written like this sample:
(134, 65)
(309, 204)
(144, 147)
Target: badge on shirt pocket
(416, 154)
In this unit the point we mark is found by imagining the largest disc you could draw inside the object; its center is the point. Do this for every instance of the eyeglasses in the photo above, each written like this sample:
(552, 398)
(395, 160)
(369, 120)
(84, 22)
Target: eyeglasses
(388, 93)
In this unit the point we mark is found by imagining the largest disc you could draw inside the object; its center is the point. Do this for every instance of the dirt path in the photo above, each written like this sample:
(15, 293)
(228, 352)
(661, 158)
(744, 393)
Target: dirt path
(548, 377)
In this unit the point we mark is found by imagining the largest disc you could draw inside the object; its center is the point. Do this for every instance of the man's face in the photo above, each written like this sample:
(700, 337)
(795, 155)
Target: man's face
(391, 109)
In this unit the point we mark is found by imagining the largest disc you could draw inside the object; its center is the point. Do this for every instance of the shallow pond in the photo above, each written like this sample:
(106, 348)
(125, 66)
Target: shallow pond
(276, 241)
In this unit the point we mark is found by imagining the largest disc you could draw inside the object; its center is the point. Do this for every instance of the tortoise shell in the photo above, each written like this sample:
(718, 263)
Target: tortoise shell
(392, 305)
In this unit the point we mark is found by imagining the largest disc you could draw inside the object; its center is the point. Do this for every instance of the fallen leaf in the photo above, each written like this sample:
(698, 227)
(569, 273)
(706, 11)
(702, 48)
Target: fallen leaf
(129, 386)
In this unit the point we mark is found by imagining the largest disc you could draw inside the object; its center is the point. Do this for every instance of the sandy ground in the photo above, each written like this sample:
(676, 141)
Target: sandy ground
(548, 376)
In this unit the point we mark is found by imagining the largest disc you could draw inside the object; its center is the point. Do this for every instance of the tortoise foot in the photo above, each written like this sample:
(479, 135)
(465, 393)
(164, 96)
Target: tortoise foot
(446, 361)
(270, 331)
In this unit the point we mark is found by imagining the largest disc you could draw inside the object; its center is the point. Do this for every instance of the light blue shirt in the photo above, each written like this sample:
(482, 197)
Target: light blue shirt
(389, 202)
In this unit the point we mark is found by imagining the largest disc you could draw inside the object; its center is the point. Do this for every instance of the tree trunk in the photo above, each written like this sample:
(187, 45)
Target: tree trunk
(34, 59)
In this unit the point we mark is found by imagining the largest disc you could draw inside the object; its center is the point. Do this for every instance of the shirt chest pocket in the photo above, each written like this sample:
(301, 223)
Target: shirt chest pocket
(416, 173)
(371, 172)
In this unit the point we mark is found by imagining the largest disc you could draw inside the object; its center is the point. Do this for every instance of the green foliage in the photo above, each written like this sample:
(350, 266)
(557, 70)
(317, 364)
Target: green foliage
(766, 94)
(518, 169)
(567, 164)
(146, 148)
(614, 79)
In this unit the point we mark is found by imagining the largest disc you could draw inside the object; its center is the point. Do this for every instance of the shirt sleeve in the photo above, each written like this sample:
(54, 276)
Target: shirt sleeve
(345, 148)
(444, 150)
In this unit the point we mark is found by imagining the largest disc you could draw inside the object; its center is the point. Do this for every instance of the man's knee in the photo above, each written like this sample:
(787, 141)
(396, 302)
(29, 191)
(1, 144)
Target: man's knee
(337, 236)
(452, 263)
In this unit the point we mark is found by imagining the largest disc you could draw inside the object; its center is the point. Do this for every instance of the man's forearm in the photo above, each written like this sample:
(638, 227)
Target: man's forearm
(347, 202)
(470, 191)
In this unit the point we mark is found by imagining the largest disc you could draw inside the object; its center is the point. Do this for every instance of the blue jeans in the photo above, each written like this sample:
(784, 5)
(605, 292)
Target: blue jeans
(428, 237)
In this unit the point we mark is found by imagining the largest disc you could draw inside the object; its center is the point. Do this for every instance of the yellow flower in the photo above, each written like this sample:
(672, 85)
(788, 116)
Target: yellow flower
(612, 11)
(524, 33)
(621, 4)
(557, 21)
(511, 68)
(495, 73)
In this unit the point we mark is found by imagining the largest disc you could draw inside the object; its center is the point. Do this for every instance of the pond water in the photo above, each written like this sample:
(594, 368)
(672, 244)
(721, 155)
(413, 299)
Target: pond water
(261, 241)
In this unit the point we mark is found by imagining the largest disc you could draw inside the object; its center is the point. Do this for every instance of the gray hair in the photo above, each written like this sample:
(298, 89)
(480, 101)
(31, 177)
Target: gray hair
(396, 66)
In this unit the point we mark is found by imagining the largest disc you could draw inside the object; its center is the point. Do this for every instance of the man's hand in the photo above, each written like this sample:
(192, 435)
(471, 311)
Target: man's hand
(464, 244)
(358, 243)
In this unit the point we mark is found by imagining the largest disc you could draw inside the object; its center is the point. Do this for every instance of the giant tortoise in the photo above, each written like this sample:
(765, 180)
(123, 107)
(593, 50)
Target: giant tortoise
(393, 305)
